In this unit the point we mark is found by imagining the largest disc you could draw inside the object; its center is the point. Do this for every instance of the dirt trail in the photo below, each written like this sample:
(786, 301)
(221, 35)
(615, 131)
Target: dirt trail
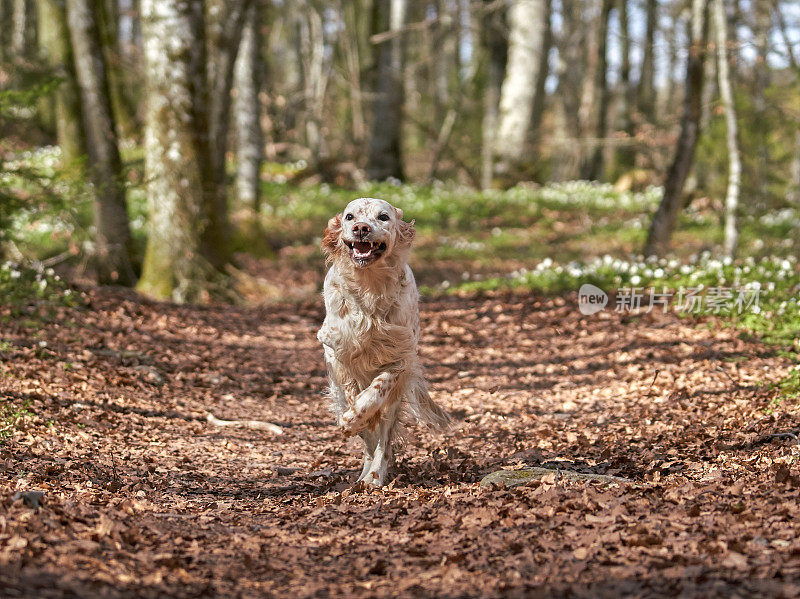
(143, 497)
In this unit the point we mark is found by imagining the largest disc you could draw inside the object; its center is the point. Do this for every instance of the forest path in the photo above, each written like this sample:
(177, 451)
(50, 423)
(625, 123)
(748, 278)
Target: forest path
(143, 497)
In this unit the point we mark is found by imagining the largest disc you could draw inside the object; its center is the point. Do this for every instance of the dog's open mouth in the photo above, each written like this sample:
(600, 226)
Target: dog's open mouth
(365, 253)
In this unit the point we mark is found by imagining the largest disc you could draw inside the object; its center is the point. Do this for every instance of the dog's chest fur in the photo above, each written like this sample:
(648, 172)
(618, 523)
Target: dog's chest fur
(368, 330)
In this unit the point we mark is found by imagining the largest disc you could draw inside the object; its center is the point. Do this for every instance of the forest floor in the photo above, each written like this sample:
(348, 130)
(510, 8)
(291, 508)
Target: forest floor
(142, 496)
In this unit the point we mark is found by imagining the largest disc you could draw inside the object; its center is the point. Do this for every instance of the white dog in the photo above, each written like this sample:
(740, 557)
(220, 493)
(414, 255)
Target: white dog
(371, 330)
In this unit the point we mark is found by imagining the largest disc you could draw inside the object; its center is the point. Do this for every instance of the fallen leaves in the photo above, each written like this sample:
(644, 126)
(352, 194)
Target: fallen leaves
(143, 495)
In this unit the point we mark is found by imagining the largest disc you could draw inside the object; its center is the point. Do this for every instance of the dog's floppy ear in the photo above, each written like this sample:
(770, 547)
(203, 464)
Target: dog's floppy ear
(330, 238)
(406, 232)
(399, 212)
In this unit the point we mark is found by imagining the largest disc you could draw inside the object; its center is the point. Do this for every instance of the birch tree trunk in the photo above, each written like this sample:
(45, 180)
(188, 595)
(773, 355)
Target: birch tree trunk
(385, 152)
(249, 138)
(732, 129)
(526, 21)
(178, 165)
(54, 40)
(112, 231)
(666, 216)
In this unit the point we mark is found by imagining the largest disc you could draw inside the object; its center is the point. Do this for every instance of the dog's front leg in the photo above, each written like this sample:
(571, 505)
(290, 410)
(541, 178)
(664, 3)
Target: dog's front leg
(368, 403)
(382, 456)
(370, 439)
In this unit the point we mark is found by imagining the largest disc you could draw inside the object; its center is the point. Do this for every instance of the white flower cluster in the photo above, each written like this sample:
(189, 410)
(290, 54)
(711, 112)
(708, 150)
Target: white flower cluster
(703, 271)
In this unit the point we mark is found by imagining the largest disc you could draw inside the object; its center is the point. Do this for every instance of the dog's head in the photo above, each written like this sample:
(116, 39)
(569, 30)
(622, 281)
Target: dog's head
(368, 231)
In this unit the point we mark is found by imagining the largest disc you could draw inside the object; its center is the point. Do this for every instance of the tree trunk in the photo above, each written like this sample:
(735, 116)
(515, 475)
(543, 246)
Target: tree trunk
(385, 152)
(444, 57)
(667, 214)
(572, 63)
(353, 62)
(224, 20)
(496, 49)
(54, 40)
(249, 138)
(794, 184)
(732, 129)
(123, 106)
(23, 33)
(760, 83)
(793, 192)
(540, 95)
(647, 90)
(314, 70)
(112, 232)
(526, 21)
(6, 16)
(178, 165)
(594, 168)
(626, 155)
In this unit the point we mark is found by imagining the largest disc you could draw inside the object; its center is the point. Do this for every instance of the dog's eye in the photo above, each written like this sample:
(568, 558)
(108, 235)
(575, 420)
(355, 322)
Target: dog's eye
(348, 217)
(383, 216)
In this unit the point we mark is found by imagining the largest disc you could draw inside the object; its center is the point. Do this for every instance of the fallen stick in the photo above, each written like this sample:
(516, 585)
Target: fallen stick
(251, 424)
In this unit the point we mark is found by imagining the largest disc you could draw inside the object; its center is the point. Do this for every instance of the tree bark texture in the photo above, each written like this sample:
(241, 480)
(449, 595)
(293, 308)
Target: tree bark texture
(249, 138)
(731, 127)
(666, 216)
(527, 32)
(112, 231)
(385, 153)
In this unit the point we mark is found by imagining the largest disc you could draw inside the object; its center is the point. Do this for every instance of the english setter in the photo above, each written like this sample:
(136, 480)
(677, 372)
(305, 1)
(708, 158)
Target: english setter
(371, 331)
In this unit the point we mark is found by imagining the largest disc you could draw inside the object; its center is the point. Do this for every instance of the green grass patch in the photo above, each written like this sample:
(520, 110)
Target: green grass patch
(11, 416)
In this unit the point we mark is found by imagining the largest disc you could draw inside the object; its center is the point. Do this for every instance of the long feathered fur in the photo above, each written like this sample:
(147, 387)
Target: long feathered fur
(375, 314)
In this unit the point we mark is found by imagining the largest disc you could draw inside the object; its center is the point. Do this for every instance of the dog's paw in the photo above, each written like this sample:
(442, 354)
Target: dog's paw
(350, 424)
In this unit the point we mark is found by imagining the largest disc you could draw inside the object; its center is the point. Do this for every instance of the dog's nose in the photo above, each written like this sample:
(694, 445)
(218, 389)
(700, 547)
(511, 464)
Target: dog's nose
(361, 229)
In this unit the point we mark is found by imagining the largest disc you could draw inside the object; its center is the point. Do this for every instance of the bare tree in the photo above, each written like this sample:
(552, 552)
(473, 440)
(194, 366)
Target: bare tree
(249, 138)
(112, 235)
(385, 152)
(732, 128)
(526, 43)
(666, 216)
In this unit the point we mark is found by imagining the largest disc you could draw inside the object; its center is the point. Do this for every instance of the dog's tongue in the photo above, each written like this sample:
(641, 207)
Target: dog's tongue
(362, 246)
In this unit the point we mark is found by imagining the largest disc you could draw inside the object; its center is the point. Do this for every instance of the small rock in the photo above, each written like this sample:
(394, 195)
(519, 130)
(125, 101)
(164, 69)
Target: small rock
(32, 499)
(150, 374)
(284, 471)
(513, 478)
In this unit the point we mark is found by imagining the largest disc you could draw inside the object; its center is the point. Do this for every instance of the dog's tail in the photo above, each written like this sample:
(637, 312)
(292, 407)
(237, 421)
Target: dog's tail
(425, 409)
